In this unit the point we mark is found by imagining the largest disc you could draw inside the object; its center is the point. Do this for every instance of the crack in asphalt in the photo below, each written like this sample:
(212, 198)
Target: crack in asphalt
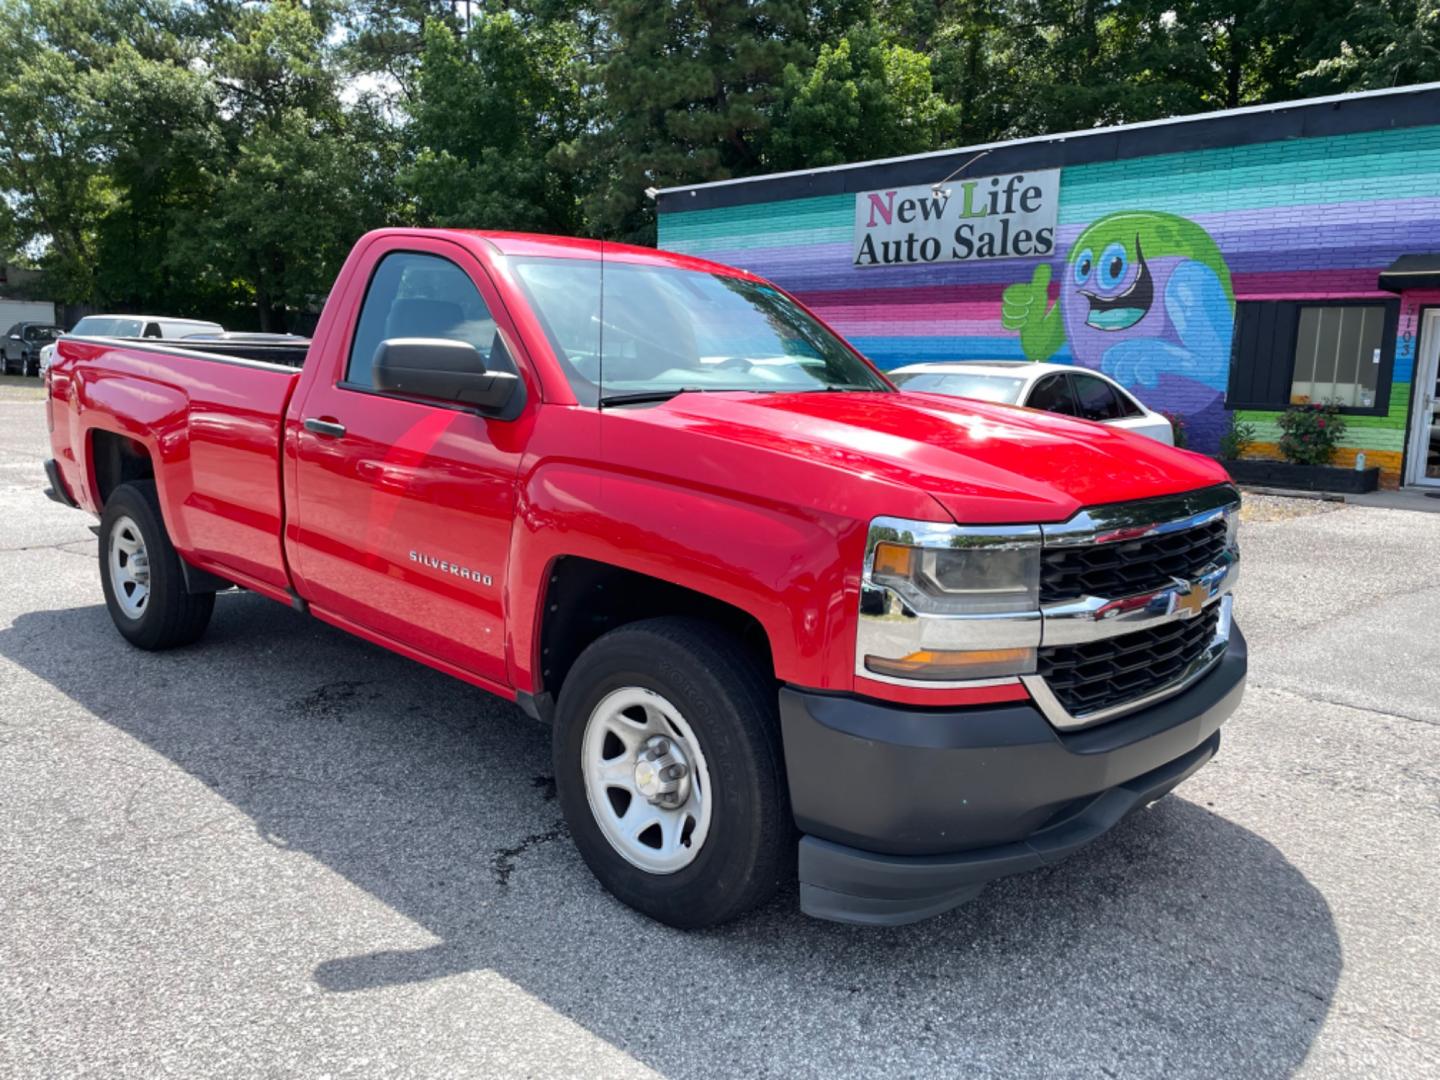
(502, 864)
(1319, 700)
(61, 545)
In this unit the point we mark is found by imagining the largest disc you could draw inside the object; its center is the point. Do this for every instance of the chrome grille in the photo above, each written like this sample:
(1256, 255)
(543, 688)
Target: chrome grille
(1111, 671)
(1129, 567)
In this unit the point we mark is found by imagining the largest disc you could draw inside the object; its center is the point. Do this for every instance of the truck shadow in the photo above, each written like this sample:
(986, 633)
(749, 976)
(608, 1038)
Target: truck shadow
(1181, 940)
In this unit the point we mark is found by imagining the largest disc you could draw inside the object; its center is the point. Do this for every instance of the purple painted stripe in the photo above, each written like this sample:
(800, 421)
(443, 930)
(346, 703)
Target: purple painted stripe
(826, 267)
(1279, 235)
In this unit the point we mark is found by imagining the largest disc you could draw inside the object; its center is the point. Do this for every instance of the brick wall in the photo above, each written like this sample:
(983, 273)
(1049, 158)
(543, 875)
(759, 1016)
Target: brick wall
(1309, 218)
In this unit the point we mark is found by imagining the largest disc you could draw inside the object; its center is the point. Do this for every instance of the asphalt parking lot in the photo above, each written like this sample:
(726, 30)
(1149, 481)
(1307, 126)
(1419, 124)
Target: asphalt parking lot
(285, 852)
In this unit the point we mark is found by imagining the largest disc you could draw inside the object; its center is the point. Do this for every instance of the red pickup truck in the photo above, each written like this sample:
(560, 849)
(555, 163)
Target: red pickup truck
(783, 617)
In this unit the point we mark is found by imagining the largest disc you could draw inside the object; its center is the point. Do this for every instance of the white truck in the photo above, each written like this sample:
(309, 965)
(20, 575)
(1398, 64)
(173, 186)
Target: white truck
(132, 326)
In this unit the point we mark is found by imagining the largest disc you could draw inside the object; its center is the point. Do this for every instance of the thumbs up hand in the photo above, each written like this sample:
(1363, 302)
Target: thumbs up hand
(1026, 307)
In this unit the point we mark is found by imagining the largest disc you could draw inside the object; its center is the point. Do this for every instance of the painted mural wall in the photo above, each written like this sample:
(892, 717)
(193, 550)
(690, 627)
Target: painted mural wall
(1150, 258)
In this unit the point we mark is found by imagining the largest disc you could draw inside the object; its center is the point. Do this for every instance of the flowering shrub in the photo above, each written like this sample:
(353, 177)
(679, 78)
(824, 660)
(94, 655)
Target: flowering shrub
(1310, 433)
(1237, 438)
(1178, 425)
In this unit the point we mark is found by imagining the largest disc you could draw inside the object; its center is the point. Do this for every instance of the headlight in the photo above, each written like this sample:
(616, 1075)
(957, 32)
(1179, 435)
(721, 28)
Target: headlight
(960, 580)
(980, 587)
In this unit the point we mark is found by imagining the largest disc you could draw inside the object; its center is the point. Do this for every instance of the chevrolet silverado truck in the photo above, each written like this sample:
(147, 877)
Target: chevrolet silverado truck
(783, 618)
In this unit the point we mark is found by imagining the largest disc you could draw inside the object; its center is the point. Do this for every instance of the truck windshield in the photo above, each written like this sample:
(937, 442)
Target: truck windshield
(106, 326)
(659, 331)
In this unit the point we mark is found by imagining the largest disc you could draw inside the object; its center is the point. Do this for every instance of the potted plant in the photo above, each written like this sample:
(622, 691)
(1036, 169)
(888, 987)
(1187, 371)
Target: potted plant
(1309, 437)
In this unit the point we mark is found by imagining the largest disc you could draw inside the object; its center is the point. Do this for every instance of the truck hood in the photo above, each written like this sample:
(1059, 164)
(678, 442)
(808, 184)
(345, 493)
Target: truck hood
(983, 463)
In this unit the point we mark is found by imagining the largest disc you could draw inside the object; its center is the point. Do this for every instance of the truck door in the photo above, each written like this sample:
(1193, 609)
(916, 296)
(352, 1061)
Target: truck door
(404, 507)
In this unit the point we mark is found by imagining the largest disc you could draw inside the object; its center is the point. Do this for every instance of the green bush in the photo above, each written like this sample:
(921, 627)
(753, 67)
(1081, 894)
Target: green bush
(1237, 438)
(1310, 433)
(1179, 427)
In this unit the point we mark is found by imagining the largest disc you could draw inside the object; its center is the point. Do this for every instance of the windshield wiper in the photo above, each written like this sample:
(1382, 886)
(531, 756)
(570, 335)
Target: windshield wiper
(642, 397)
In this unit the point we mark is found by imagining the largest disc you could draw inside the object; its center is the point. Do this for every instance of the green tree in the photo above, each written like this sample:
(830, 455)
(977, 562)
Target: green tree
(1378, 43)
(386, 39)
(490, 111)
(155, 133)
(681, 91)
(57, 187)
(864, 97)
(298, 175)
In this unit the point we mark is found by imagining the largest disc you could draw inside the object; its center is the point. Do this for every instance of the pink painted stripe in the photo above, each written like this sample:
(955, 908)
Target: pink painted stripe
(1307, 284)
(904, 327)
(981, 301)
(960, 309)
(923, 295)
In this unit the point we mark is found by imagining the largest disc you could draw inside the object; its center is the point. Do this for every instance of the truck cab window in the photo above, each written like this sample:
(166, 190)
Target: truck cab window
(421, 296)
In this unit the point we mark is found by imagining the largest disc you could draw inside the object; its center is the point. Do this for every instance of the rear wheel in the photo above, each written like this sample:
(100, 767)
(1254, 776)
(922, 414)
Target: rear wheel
(669, 772)
(141, 575)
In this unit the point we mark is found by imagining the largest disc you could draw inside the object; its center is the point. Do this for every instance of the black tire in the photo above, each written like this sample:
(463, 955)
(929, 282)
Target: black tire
(730, 705)
(170, 615)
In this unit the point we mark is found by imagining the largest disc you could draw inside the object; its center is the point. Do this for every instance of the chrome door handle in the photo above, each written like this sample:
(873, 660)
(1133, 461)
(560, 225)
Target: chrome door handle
(329, 428)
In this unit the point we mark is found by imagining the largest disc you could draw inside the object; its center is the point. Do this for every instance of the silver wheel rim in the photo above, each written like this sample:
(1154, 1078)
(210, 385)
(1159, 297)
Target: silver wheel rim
(129, 567)
(646, 780)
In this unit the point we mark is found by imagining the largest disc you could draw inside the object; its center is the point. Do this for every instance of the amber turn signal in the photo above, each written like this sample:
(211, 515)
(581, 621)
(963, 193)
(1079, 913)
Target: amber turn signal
(959, 665)
(893, 559)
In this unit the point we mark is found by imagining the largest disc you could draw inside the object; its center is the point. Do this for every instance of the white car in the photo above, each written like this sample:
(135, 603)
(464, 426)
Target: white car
(131, 326)
(1057, 388)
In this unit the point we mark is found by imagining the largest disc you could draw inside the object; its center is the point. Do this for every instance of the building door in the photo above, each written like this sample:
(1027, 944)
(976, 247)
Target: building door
(1424, 464)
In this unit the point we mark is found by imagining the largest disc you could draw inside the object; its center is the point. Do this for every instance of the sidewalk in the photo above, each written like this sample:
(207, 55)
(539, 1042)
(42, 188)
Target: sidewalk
(1410, 498)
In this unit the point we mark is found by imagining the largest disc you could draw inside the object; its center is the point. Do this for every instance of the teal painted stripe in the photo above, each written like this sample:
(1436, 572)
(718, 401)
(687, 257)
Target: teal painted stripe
(824, 219)
(1336, 169)
(695, 243)
(1268, 176)
(1373, 153)
(1181, 195)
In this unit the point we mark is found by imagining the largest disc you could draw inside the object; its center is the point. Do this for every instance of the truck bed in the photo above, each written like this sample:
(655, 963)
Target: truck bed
(286, 355)
(210, 416)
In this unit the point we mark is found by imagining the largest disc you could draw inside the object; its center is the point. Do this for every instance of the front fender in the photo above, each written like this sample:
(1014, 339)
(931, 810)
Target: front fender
(794, 569)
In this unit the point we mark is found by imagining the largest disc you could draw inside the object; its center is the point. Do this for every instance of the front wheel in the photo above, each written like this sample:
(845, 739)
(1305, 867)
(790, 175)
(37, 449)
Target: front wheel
(141, 575)
(669, 772)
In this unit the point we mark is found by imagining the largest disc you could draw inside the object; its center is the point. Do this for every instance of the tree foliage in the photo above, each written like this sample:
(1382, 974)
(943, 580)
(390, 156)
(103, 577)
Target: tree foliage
(864, 97)
(492, 106)
(219, 157)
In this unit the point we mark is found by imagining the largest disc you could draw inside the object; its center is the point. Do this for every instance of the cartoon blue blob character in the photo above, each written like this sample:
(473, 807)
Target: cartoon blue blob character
(1145, 298)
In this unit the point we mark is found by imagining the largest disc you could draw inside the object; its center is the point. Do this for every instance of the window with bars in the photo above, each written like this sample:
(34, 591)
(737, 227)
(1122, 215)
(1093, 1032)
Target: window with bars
(1292, 352)
(1337, 356)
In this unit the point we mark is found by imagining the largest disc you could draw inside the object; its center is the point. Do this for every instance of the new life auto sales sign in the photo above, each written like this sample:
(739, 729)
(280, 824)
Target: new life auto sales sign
(988, 217)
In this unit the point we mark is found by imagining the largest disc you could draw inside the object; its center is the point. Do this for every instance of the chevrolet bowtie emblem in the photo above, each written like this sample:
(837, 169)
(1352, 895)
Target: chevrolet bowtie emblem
(1189, 599)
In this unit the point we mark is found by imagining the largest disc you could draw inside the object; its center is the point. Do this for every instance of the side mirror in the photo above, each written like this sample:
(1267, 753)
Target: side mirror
(443, 370)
